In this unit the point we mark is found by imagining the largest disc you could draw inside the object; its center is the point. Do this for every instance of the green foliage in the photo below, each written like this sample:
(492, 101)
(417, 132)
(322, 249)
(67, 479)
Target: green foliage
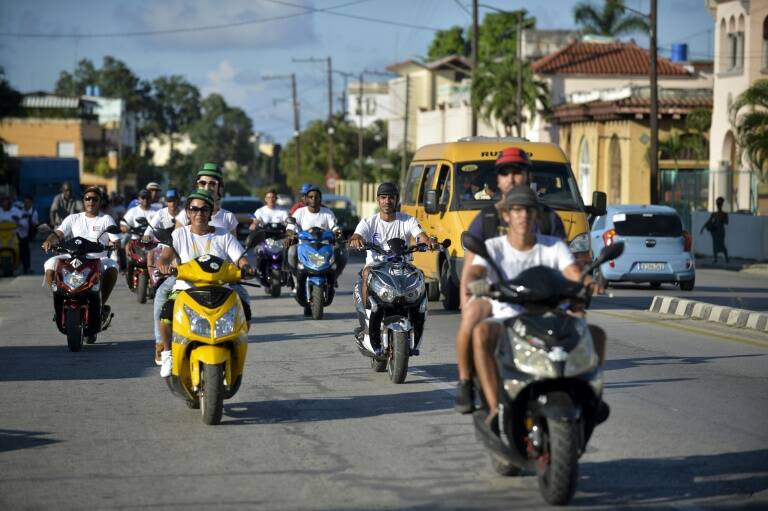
(697, 125)
(448, 42)
(175, 105)
(498, 34)
(612, 20)
(10, 98)
(749, 116)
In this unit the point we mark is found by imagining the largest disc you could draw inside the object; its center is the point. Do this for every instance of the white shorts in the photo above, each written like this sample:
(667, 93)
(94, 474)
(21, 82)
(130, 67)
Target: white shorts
(499, 310)
(106, 263)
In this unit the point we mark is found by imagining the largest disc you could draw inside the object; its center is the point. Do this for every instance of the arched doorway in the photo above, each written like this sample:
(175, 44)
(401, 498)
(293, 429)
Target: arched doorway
(614, 150)
(584, 184)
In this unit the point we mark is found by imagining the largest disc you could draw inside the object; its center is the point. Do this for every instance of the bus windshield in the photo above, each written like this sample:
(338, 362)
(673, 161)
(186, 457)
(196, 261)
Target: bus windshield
(475, 183)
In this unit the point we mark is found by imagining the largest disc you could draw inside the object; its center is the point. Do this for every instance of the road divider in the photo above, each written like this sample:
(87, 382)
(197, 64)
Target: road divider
(730, 316)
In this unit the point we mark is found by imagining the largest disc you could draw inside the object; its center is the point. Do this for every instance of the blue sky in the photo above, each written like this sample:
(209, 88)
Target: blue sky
(232, 61)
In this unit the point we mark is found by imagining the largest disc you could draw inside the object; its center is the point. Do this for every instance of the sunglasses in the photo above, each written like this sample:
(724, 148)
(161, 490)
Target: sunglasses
(203, 182)
(91, 198)
(195, 209)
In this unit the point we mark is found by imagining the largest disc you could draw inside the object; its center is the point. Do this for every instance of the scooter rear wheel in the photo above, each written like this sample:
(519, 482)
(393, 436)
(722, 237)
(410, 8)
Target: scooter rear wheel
(74, 329)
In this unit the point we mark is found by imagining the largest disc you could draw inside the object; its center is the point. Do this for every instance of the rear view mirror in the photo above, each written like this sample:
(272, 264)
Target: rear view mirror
(44, 229)
(610, 252)
(254, 239)
(446, 243)
(599, 204)
(474, 244)
(164, 236)
(142, 221)
(430, 202)
(113, 229)
(290, 220)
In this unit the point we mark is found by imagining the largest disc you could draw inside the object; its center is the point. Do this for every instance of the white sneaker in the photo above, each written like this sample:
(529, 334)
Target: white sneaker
(166, 364)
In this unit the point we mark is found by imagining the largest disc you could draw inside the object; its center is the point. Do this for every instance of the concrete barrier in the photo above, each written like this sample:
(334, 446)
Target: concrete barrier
(730, 316)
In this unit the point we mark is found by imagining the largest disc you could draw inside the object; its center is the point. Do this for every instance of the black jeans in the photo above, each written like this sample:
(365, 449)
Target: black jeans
(24, 254)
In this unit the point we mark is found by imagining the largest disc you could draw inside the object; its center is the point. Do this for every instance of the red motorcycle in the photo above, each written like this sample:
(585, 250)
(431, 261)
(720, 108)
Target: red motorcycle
(76, 287)
(137, 274)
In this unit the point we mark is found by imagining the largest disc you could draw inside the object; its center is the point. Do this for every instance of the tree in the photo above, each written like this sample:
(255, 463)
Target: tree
(673, 147)
(611, 20)
(10, 98)
(697, 125)
(115, 80)
(175, 106)
(448, 42)
(749, 116)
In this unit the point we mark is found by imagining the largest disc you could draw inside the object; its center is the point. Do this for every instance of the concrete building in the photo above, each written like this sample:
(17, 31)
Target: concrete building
(375, 100)
(741, 58)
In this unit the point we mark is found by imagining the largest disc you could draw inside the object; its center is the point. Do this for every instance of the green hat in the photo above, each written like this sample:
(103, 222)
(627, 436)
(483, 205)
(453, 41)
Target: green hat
(210, 169)
(203, 195)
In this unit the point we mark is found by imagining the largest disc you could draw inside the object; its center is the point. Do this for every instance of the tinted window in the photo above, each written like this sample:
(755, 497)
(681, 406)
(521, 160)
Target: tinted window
(412, 184)
(428, 179)
(599, 224)
(648, 224)
(444, 184)
(241, 206)
(475, 183)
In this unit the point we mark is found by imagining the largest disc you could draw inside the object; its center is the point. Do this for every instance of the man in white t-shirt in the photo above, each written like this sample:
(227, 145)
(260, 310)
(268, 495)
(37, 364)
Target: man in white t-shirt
(142, 210)
(313, 215)
(190, 242)
(91, 224)
(521, 248)
(269, 213)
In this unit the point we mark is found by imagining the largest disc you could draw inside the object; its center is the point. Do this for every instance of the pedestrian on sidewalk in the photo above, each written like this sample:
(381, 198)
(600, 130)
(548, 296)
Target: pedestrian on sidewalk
(716, 227)
(26, 231)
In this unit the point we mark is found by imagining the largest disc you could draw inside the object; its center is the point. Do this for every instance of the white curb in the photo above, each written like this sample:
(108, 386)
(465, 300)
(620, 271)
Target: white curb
(716, 313)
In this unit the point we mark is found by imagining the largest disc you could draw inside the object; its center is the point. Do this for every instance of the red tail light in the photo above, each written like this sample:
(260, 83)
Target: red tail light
(687, 241)
(608, 237)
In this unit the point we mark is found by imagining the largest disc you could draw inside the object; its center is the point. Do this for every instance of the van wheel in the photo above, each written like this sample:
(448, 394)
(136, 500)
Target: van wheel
(433, 291)
(449, 289)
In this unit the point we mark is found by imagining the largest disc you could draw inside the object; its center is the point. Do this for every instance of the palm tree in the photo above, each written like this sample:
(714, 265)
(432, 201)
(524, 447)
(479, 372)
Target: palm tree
(609, 21)
(752, 125)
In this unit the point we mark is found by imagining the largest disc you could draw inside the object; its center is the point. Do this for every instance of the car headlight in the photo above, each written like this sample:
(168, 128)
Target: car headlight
(580, 243)
(383, 291)
(75, 279)
(533, 360)
(317, 259)
(583, 358)
(225, 325)
(197, 323)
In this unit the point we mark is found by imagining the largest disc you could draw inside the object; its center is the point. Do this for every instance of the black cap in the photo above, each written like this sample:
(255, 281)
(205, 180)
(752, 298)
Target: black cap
(143, 194)
(387, 189)
(519, 196)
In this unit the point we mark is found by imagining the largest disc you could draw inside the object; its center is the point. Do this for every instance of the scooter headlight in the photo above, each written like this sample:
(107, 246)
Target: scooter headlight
(532, 360)
(317, 259)
(197, 323)
(583, 358)
(383, 291)
(225, 325)
(75, 279)
(415, 292)
(273, 245)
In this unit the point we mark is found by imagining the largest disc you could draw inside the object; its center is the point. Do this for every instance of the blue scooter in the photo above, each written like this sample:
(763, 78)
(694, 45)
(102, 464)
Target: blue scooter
(315, 271)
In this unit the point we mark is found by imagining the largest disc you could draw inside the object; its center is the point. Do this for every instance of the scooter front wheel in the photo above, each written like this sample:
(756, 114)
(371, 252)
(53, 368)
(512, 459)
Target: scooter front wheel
(275, 284)
(74, 329)
(212, 393)
(317, 302)
(558, 466)
(141, 287)
(398, 358)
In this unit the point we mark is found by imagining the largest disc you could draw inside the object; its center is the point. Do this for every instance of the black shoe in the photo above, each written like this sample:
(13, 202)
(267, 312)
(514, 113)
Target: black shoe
(465, 399)
(105, 312)
(602, 412)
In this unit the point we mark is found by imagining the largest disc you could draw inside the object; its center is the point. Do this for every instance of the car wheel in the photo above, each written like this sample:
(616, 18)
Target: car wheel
(687, 285)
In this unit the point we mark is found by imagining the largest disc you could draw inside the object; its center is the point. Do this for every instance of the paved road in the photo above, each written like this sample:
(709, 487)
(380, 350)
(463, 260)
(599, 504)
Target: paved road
(314, 428)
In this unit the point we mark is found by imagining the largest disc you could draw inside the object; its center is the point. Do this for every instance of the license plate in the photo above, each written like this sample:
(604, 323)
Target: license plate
(652, 266)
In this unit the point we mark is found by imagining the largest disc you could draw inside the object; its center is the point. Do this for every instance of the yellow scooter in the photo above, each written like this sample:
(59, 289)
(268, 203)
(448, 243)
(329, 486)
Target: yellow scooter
(9, 249)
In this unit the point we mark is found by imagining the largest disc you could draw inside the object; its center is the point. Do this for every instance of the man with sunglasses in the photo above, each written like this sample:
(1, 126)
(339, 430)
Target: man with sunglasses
(211, 179)
(512, 169)
(192, 241)
(91, 224)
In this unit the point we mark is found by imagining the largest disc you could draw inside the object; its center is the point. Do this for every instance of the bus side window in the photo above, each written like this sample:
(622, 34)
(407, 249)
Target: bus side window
(429, 177)
(411, 184)
(443, 186)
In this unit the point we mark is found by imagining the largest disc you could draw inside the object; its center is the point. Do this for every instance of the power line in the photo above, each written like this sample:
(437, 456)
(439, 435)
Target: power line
(463, 7)
(35, 35)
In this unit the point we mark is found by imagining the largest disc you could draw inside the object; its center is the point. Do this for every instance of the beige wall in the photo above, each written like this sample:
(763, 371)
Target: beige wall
(729, 83)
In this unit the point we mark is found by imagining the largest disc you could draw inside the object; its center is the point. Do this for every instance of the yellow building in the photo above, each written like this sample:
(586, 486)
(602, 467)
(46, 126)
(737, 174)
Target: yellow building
(607, 141)
(58, 127)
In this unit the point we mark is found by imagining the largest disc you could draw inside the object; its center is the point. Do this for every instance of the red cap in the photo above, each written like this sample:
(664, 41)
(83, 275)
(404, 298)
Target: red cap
(513, 156)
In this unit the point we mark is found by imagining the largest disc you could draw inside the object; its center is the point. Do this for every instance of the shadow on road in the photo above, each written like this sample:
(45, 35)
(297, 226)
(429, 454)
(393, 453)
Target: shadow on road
(643, 383)
(330, 409)
(629, 363)
(299, 316)
(101, 361)
(661, 481)
(296, 337)
(14, 439)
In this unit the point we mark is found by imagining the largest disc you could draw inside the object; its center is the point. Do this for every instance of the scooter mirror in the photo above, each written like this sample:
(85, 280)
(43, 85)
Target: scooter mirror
(611, 252)
(44, 229)
(142, 221)
(164, 236)
(254, 239)
(290, 220)
(473, 244)
(112, 229)
(446, 243)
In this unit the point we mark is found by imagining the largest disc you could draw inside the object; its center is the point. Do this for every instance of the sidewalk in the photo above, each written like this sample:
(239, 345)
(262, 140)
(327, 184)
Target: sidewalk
(730, 316)
(735, 264)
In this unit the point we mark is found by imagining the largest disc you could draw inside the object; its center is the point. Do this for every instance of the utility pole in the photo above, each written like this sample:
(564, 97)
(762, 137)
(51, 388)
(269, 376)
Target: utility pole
(296, 123)
(330, 130)
(404, 159)
(346, 76)
(360, 146)
(519, 91)
(654, 110)
(475, 40)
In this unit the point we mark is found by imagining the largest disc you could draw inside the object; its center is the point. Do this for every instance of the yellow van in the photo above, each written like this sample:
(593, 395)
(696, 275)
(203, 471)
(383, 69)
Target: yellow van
(447, 184)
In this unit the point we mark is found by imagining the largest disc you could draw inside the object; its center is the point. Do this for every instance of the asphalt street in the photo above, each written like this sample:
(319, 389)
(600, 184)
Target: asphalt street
(313, 427)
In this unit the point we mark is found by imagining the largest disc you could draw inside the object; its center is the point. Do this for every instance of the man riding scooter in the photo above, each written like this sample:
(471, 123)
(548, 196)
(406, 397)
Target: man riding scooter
(378, 229)
(190, 242)
(90, 224)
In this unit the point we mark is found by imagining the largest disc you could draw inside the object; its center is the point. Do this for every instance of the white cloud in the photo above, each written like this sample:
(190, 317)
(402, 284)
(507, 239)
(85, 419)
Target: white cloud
(228, 81)
(292, 30)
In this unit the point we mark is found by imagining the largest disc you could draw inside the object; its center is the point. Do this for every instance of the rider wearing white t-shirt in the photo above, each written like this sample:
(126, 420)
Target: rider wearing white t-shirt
(141, 211)
(518, 250)
(385, 225)
(313, 215)
(91, 225)
(192, 241)
(269, 213)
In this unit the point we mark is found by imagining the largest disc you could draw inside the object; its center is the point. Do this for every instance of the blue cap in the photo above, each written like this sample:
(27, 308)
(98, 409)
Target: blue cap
(171, 194)
(314, 188)
(304, 188)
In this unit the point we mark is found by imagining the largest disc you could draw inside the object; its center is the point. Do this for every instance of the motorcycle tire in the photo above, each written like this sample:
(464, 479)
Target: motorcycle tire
(212, 393)
(74, 329)
(378, 366)
(558, 466)
(141, 287)
(433, 291)
(91, 339)
(448, 288)
(317, 302)
(398, 357)
(275, 284)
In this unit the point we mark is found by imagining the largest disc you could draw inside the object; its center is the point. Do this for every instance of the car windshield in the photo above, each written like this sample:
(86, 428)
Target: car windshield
(335, 204)
(647, 224)
(476, 185)
(241, 206)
